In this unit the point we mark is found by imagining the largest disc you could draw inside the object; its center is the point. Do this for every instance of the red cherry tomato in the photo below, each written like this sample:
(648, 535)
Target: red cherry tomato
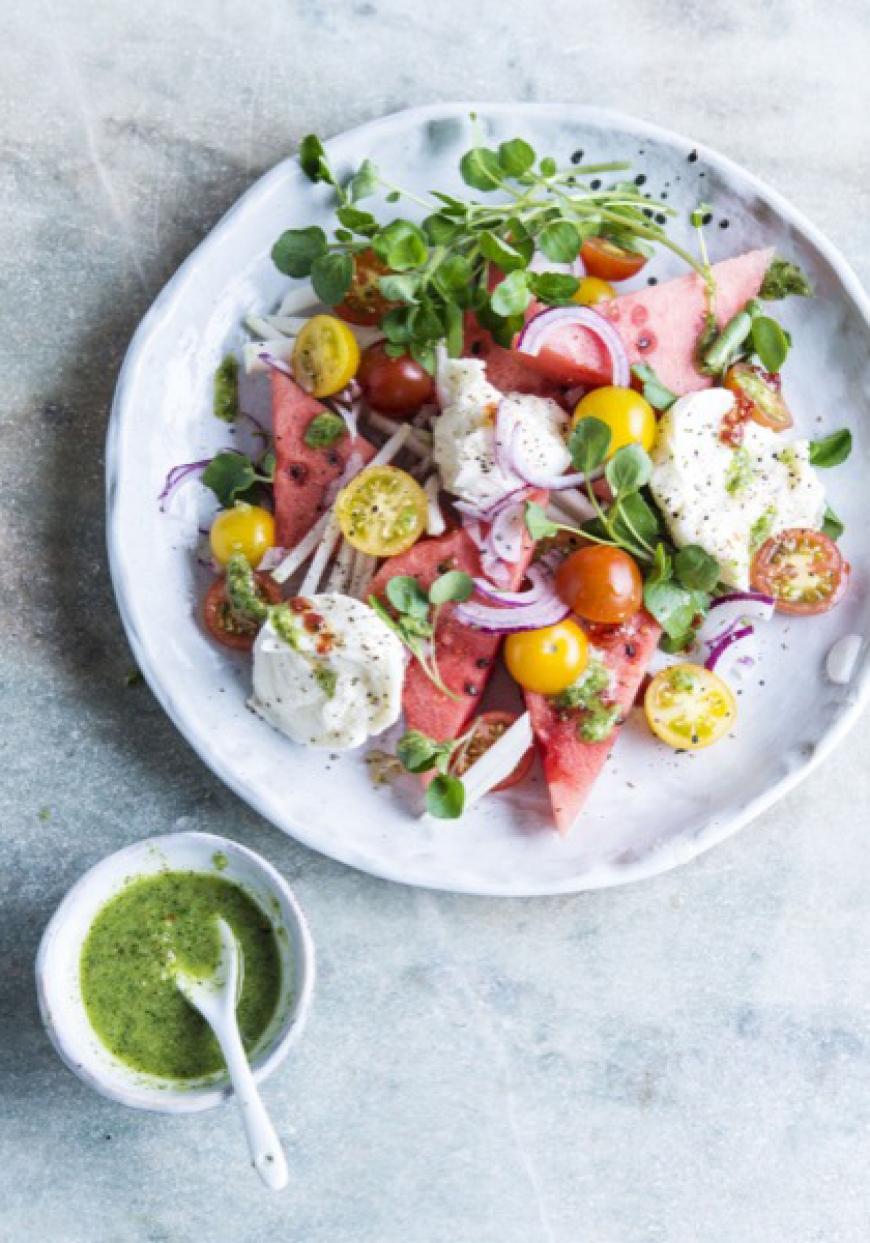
(226, 626)
(608, 261)
(488, 728)
(395, 386)
(600, 584)
(364, 303)
(803, 570)
(758, 396)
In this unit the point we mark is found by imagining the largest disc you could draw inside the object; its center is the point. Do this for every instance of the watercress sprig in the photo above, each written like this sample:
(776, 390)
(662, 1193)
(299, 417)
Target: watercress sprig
(418, 753)
(417, 613)
(233, 476)
(441, 267)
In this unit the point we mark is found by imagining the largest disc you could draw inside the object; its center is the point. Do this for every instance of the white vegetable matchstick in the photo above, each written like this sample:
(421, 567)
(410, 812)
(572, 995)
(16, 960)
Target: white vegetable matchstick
(418, 441)
(320, 560)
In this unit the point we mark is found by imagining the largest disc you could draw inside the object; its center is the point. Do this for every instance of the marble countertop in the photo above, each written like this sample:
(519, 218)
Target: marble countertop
(688, 1059)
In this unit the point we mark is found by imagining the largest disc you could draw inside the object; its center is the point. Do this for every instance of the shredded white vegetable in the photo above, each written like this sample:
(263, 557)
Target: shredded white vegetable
(419, 441)
(342, 569)
(498, 761)
(320, 560)
(300, 300)
(262, 326)
(435, 524)
(309, 544)
(363, 572)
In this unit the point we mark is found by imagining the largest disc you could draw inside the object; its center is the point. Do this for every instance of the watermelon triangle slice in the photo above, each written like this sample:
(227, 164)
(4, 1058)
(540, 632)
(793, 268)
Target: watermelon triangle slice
(659, 326)
(571, 765)
(303, 475)
(466, 657)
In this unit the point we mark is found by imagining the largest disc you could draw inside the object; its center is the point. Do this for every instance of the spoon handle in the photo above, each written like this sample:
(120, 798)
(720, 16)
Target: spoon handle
(267, 1155)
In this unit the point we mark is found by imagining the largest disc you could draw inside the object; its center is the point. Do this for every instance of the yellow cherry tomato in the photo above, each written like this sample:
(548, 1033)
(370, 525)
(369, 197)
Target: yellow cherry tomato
(593, 290)
(629, 416)
(247, 529)
(326, 356)
(689, 707)
(382, 511)
(548, 660)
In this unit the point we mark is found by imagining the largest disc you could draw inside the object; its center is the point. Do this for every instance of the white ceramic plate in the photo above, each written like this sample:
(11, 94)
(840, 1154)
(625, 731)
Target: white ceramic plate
(651, 809)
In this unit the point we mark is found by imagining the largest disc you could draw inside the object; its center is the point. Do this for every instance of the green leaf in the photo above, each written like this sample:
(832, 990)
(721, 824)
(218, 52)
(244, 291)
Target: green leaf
(425, 322)
(312, 160)
(769, 342)
(225, 393)
(588, 444)
(832, 526)
(399, 287)
(548, 166)
(662, 567)
(538, 524)
(554, 288)
(440, 229)
(452, 275)
(783, 279)
(395, 326)
(512, 295)
(658, 396)
(324, 430)
(634, 510)
(628, 470)
(407, 596)
(696, 569)
(480, 168)
(419, 753)
(453, 585)
(515, 157)
(445, 797)
(673, 607)
(831, 450)
(296, 249)
(424, 354)
(494, 248)
(559, 241)
(331, 276)
(455, 330)
(267, 465)
(364, 182)
(229, 475)
(401, 245)
(452, 206)
(357, 221)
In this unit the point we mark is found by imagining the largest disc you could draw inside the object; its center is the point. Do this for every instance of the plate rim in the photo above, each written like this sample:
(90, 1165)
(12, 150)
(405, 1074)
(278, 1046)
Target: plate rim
(660, 858)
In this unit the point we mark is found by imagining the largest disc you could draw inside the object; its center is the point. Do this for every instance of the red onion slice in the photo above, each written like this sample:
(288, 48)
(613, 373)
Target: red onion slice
(179, 475)
(506, 534)
(502, 621)
(729, 612)
(276, 364)
(726, 641)
(541, 325)
(541, 589)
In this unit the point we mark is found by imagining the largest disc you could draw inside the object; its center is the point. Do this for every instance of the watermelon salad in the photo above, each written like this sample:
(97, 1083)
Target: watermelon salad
(481, 454)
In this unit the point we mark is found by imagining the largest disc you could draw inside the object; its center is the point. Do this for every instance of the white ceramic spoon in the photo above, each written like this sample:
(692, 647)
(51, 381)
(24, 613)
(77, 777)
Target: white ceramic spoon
(215, 997)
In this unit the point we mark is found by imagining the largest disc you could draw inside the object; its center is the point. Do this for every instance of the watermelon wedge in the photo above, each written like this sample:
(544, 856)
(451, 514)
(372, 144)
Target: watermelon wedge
(571, 765)
(466, 657)
(302, 474)
(659, 326)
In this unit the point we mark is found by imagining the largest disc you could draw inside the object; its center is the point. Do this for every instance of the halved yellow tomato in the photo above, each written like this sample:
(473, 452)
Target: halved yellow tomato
(629, 416)
(592, 290)
(382, 511)
(689, 707)
(326, 356)
(247, 529)
(548, 660)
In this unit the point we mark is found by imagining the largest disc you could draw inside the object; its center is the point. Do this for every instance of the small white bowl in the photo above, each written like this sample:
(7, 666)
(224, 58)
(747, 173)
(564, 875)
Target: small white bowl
(59, 957)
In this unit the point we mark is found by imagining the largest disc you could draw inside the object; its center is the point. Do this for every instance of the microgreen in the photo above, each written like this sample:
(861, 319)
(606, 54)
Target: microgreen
(232, 476)
(770, 342)
(831, 450)
(447, 261)
(832, 526)
(418, 753)
(417, 616)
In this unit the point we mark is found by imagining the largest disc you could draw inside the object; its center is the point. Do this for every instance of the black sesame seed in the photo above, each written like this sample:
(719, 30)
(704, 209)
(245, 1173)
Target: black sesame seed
(692, 157)
(652, 280)
(595, 185)
(640, 179)
(724, 224)
(577, 156)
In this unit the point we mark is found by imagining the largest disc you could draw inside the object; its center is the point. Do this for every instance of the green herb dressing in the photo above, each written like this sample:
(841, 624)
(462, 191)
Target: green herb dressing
(127, 963)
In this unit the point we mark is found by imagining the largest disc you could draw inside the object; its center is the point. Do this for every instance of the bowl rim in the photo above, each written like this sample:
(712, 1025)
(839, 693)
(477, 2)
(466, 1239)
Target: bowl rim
(171, 1099)
(666, 854)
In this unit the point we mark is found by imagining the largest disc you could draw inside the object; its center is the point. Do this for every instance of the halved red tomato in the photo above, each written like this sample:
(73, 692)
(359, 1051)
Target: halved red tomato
(758, 396)
(608, 261)
(397, 387)
(364, 303)
(803, 570)
(601, 584)
(228, 627)
(488, 728)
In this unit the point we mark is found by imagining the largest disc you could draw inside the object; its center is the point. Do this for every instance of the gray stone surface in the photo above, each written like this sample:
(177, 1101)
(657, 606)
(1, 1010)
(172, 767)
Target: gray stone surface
(685, 1060)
